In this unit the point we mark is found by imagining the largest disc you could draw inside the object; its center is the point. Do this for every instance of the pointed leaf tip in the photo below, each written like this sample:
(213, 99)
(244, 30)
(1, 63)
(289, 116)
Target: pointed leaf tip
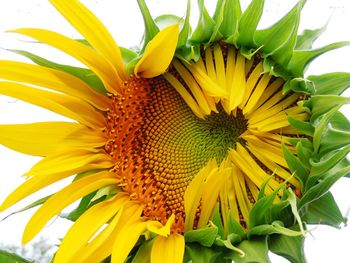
(151, 28)
(158, 53)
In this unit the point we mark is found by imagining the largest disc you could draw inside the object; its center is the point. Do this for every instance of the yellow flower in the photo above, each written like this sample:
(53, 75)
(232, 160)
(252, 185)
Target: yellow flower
(95, 142)
(212, 139)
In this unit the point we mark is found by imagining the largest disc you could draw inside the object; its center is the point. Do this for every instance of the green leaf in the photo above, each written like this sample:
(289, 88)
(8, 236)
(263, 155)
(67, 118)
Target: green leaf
(143, 254)
(8, 257)
(275, 228)
(337, 134)
(302, 58)
(304, 152)
(255, 251)
(188, 53)
(331, 83)
(306, 39)
(314, 192)
(204, 236)
(127, 54)
(299, 85)
(205, 27)
(302, 126)
(321, 127)
(217, 221)
(186, 28)
(84, 74)
(324, 211)
(272, 68)
(234, 227)
(293, 204)
(291, 248)
(164, 21)
(32, 205)
(216, 35)
(249, 22)
(260, 213)
(321, 104)
(199, 254)
(281, 32)
(151, 28)
(85, 203)
(281, 211)
(295, 165)
(345, 163)
(231, 15)
(328, 160)
(314, 179)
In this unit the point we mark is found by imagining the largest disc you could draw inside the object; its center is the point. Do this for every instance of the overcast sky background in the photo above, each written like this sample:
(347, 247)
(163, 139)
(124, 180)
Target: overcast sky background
(124, 21)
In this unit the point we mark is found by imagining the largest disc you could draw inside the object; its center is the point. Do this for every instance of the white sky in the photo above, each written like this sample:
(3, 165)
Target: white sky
(125, 23)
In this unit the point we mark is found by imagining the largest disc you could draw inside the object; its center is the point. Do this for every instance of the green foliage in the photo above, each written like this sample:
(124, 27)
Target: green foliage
(8, 257)
(280, 38)
(205, 27)
(317, 214)
(151, 28)
(84, 74)
(331, 83)
(289, 247)
(249, 22)
(306, 39)
(254, 250)
(302, 58)
(204, 236)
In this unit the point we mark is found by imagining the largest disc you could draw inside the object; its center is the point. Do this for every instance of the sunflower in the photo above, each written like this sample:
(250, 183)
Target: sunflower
(205, 145)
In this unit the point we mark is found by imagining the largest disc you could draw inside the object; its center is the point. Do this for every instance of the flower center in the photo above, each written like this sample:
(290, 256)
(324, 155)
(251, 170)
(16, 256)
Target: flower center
(163, 131)
(159, 145)
(219, 132)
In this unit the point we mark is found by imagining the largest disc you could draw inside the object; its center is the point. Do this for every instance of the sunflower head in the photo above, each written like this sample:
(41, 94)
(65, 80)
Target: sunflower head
(206, 145)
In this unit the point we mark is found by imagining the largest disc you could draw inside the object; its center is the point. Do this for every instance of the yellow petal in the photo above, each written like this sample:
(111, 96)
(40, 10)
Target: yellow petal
(269, 93)
(93, 30)
(211, 189)
(68, 160)
(193, 86)
(86, 227)
(56, 203)
(255, 97)
(272, 165)
(97, 63)
(187, 97)
(169, 249)
(56, 167)
(127, 236)
(52, 79)
(244, 161)
(84, 138)
(158, 53)
(62, 104)
(36, 138)
(251, 83)
(241, 194)
(220, 66)
(207, 84)
(267, 150)
(102, 245)
(157, 228)
(209, 64)
(194, 192)
(266, 111)
(238, 83)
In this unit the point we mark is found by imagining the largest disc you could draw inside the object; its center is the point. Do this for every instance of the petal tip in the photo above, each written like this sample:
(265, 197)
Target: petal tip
(158, 53)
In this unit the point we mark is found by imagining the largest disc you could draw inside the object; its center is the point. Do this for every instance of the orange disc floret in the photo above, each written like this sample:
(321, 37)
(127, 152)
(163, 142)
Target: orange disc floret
(153, 160)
